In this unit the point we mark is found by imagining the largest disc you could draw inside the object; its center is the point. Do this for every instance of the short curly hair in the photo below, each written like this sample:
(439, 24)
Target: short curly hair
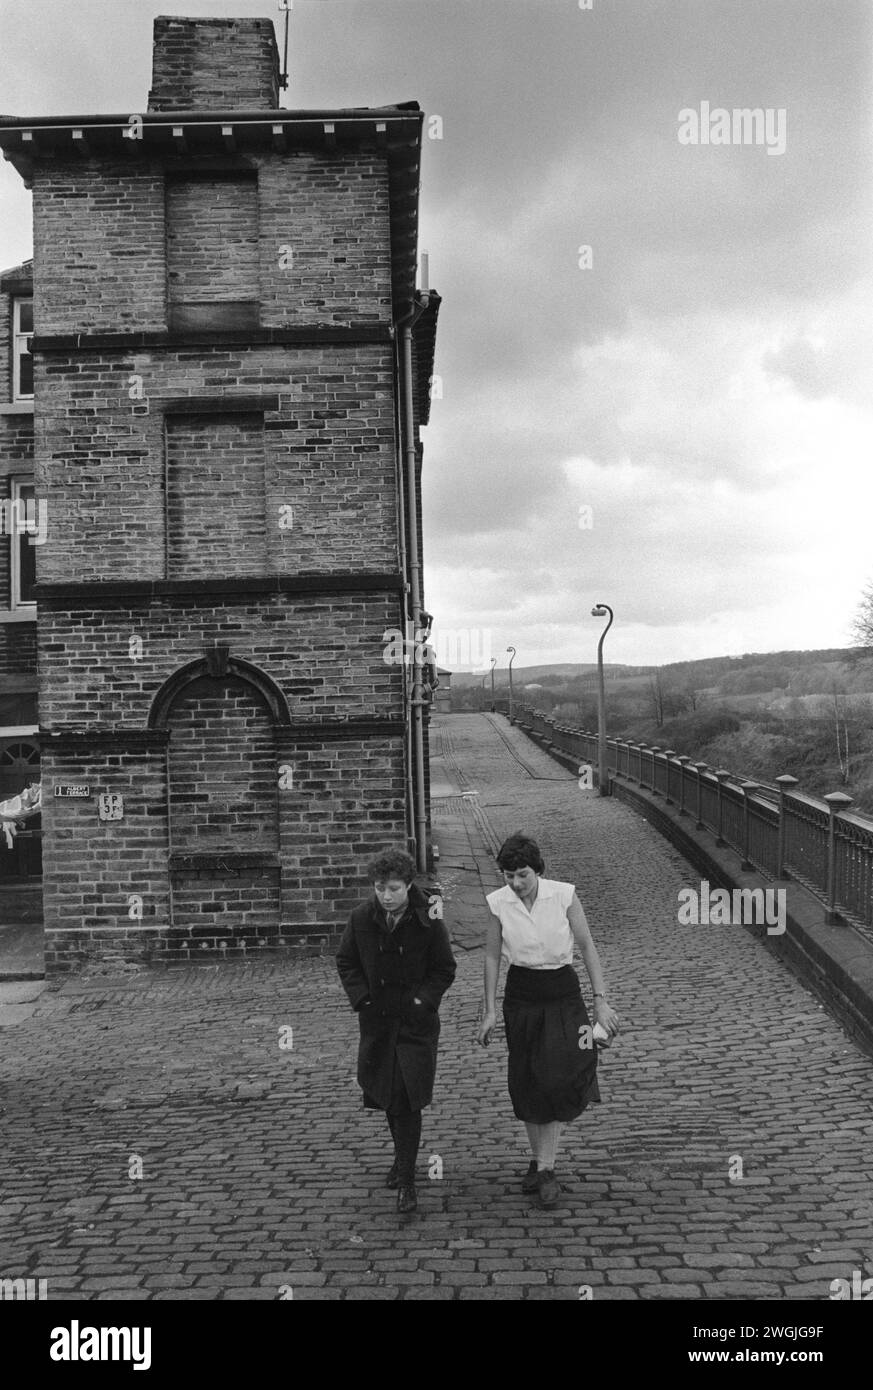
(519, 851)
(391, 863)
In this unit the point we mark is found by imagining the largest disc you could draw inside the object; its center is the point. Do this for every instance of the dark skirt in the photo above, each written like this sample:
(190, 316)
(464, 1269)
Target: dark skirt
(550, 1076)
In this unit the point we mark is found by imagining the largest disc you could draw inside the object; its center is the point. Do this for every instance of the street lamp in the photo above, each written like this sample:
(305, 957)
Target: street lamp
(511, 659)
(493, 664)
(600, 610)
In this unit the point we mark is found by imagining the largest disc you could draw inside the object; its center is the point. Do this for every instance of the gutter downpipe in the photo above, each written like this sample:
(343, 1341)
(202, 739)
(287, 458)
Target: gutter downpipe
(405, 325)
(406, 615)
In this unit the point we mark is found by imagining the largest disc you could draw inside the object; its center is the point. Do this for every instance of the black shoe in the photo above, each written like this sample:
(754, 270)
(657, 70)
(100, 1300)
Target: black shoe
(531, 1180)
(406, 1198)
(550, 1188)
(391, 1179)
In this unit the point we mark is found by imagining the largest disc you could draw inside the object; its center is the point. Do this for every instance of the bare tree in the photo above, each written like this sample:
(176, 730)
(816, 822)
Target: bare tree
(862, 623)
(841, 725)
(657, 696)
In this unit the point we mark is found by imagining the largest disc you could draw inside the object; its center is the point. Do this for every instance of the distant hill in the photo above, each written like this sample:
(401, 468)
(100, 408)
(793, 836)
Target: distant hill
(548, 675)
(707, 671)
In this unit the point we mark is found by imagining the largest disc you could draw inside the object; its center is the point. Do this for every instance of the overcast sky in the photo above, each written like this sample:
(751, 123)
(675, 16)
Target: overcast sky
(703, 386)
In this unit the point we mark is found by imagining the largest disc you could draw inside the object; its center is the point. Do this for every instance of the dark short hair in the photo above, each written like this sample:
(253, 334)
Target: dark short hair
(520, 852)
(391, 863)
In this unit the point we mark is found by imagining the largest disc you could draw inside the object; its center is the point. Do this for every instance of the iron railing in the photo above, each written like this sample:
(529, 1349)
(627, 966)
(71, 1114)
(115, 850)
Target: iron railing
(777, 830)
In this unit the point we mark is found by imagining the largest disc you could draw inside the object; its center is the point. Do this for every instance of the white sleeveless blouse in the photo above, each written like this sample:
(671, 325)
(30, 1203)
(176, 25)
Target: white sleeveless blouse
(542, 938)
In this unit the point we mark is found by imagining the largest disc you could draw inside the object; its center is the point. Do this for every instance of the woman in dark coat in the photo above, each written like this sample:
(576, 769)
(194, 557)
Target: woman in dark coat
(395, 962)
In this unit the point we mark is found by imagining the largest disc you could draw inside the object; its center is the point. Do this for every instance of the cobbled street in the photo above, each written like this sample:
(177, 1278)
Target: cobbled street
(262, 1176)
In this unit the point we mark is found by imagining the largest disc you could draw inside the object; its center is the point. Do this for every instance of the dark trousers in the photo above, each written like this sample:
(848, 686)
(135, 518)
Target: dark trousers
(406, 1133)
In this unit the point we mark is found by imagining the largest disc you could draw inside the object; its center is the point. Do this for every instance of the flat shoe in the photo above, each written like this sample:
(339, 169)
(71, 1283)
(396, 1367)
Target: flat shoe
(406, 1198)
(550, 1188)
(531, 1180)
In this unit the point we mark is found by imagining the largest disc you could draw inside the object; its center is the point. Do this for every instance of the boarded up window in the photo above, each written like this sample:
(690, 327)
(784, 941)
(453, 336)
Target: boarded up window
(222, 769)
(212, 251)
(216, 524)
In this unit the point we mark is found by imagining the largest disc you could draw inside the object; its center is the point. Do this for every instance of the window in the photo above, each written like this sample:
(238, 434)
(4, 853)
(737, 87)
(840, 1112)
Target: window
(22, 361)
(20, 528)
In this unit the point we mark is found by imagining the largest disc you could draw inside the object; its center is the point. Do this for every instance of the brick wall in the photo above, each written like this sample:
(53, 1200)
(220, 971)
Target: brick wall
(346, 803)
(215, 494)
(5, 348)
(212, 238)
(214, 64)
(188, 457)
(324, 651)
(99, 247)
(222, 770)
(100, 239)
(329, 456)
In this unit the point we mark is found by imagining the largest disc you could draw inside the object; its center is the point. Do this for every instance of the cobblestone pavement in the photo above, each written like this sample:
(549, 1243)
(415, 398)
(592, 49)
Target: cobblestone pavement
(262, 1175)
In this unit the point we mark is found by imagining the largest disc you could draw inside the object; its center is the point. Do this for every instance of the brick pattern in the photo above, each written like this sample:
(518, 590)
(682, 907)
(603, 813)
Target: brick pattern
(329, 456)
(214, 65)
(101, 233)
(325, 653)
(212, 239)
(222, 770)
(345, 802)
(331, 210)
(215, 496)
(139, 491)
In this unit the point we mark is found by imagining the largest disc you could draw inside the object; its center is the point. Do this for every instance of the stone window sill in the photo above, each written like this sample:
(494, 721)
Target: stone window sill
(17, 615)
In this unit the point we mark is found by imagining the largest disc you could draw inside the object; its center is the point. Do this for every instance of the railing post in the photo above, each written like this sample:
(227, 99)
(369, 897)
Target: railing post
(643, 749)
(698, 767)
(683, 762)
(621, 743)
(784, 783)
(722, 775)
(668, 754)
(655, 749)
(747, 789)
(837, 801)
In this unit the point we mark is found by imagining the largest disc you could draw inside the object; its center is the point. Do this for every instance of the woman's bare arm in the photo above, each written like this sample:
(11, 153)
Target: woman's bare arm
(493, 944)
(582, 936)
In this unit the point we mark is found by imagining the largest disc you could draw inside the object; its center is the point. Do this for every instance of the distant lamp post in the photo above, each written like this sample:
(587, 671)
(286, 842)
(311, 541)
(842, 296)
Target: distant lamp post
(600, 610)
(493, 664)
(511, 659)
(482, 693)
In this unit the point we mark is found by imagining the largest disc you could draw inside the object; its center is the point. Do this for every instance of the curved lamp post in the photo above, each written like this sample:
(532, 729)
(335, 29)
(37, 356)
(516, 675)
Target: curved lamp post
(511, 659)
(600, 610)
(493, 664)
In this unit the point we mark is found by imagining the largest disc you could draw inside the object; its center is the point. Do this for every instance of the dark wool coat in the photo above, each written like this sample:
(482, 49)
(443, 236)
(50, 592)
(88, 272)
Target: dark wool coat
(391, 970)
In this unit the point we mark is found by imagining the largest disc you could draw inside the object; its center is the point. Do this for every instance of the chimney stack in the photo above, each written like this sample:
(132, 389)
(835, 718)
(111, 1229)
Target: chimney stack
(214, 65)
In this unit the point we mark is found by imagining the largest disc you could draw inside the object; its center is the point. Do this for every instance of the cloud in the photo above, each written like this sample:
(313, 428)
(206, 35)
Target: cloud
(704, 386)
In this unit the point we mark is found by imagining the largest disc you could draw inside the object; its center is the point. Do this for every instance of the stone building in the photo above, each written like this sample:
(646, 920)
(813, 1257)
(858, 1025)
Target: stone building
(231, 364)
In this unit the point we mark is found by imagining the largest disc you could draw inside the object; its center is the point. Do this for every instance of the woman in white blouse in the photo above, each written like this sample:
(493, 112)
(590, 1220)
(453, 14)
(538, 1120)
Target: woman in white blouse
(552, 1052)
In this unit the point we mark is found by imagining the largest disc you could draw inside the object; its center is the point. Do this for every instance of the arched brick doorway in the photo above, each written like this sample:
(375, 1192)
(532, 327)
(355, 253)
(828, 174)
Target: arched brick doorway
(222, 803)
